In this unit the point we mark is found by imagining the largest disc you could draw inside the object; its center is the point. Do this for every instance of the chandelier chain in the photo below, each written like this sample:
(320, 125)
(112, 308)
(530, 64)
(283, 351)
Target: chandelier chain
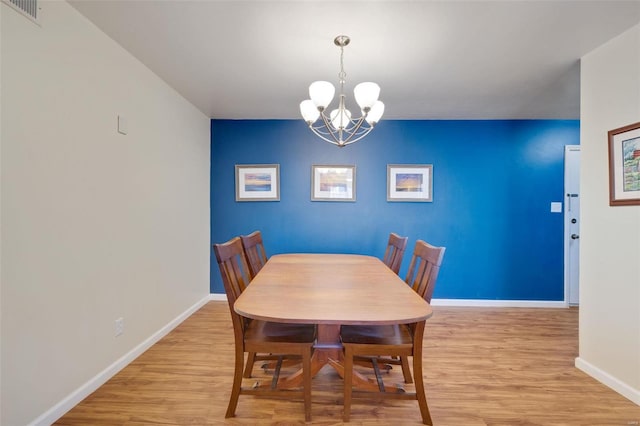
(342, 75)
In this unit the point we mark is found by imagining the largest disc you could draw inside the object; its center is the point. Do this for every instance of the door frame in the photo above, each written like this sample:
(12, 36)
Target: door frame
(565, 232)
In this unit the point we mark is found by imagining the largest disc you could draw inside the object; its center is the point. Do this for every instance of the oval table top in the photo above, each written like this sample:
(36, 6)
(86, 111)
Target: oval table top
(330, 289)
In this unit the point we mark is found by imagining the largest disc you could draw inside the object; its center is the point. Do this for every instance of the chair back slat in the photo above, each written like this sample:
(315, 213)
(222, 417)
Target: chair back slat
(424, 268)
(254, 251)
(235, 274)
(395, 251)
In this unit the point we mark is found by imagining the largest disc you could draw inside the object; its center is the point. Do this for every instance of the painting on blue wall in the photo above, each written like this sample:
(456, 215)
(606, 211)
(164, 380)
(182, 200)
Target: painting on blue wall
(624, 165)
(257, 182)
(410, 182)
(333, 183)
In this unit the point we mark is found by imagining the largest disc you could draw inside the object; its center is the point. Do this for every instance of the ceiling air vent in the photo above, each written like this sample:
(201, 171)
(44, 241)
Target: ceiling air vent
(28, 8)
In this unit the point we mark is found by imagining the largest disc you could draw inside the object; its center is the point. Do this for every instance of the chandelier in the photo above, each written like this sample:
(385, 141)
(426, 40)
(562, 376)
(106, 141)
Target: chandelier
(339, 127)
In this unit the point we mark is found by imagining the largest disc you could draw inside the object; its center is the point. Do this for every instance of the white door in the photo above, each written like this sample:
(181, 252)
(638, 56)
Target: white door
(572, 223)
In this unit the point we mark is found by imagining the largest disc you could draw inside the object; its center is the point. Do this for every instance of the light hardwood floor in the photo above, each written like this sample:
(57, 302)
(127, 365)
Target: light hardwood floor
(483, 366)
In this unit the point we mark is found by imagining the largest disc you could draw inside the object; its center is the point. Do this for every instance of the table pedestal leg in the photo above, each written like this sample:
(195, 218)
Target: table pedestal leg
(327, 347)
(328, 350)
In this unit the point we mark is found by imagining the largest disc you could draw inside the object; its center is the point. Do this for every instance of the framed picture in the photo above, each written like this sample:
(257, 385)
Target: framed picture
(333, 183)
(410, 182)
(257, 182)
(624, 165)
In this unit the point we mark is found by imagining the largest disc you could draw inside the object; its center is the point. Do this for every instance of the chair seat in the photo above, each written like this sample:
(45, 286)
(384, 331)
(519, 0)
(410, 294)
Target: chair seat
(273, 332)
(396, 334)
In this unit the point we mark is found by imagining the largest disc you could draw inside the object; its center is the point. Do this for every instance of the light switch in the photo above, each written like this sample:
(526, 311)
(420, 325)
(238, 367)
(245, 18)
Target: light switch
(122, 125)
(556, 207)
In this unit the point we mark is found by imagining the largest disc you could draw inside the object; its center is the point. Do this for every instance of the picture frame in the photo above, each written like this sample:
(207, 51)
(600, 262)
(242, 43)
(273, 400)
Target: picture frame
(257, 182)
(624, 165)
(410, 182)
(333, 183)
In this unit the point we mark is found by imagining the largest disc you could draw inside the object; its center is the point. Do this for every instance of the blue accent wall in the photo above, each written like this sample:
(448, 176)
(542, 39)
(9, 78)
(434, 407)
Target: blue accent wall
(493, 182)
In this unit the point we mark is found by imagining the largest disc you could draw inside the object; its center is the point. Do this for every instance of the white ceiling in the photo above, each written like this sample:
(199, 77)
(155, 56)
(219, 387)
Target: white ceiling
(432, 59)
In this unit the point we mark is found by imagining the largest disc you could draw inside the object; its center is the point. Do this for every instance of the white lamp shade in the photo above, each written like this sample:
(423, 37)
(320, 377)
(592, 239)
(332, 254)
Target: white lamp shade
(340, 120)
(366, 94)
(321, 93)
(375, 113)
(309, 111)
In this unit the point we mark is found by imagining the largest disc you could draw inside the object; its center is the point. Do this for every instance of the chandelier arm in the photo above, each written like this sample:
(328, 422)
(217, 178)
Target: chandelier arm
(350, 141)
(361, 121)
(321, 136)
(353, 132)
(318, 129)
(328, 126)
(361, 131)
(354, 122)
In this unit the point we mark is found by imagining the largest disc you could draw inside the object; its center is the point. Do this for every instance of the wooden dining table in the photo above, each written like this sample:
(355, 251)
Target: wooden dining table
(330, 290)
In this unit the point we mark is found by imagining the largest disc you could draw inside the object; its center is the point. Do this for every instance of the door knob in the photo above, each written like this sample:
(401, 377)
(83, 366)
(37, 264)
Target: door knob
(575, 236)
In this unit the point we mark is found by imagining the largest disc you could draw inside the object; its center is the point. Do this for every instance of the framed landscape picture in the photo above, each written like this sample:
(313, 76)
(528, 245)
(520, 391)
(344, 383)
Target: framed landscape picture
(624, 165)
(257, 182)
(333, 183)
(410, 182)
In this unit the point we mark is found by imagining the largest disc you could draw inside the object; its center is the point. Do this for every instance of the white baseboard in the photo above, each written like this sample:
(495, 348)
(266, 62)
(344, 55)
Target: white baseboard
(58, 410)
(471, 302)
(608, 380)
(499, 303)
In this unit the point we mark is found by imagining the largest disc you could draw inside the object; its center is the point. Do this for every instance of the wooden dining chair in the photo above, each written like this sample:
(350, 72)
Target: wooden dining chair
(254, 250)
(256, 258)
(401, 340)
(393, 256)
(282, 340)
(395, 251)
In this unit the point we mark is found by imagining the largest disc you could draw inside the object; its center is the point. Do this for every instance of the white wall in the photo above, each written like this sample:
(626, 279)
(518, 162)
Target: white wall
(95, 225)
(610, 236)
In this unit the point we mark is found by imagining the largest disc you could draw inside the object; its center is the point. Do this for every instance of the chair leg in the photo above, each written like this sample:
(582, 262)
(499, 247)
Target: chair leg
(420, 394)
(248, 369)
(237, 384)
(406, 372)
(306, 374)
(348, 382)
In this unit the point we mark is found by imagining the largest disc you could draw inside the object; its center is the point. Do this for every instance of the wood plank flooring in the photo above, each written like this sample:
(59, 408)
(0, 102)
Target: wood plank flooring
(483, 366)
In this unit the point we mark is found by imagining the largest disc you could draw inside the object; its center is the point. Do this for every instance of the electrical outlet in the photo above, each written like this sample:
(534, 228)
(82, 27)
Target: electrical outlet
(119, 326)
